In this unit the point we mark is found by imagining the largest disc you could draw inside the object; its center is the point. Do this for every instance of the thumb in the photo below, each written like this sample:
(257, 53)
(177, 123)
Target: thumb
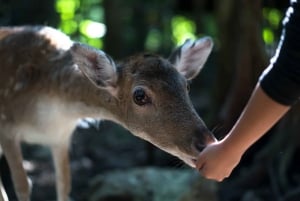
(200, 161)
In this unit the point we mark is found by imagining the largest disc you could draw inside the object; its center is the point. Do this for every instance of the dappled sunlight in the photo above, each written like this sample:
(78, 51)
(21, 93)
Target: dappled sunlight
(182, 29)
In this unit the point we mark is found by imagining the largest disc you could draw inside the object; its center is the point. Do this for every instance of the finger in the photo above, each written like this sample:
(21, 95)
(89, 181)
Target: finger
(200, 162)
(222, 177)
(200, 165)
(219, 179)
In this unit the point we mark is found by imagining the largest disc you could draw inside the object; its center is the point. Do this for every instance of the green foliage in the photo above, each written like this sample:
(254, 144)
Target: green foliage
(92, 29)
(82, 20)
(153, 40)
(182, 29)
(161, 29)
(209, 25)
(67, 8)
(268, 36)
(272, 18)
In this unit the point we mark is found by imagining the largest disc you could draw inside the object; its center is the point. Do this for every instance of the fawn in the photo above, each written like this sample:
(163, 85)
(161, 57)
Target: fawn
(48, 82)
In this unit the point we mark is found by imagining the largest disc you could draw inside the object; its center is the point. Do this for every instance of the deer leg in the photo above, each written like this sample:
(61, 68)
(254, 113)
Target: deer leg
(12, 152)
(62, 172)
(3, 196)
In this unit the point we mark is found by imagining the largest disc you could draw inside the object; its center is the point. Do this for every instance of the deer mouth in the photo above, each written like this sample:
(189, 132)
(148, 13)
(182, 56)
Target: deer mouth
(190, 161)
(189, 158)
(198, 144)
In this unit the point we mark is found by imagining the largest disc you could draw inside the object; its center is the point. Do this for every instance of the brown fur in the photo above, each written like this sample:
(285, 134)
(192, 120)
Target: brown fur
(47, 83)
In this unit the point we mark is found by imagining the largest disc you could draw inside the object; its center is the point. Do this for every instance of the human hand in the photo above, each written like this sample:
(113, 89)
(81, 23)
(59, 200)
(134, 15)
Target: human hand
(216, 161)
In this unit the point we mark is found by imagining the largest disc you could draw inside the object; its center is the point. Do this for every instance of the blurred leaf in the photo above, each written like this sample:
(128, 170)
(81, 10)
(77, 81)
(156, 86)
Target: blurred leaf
(81, 20)
(67, 6)
(209, 24)
(92, 29)
(153, 40)
(68, 26)
(182, 29)
(97, 43)
(96, 13)
(273, 16)
(268, 36)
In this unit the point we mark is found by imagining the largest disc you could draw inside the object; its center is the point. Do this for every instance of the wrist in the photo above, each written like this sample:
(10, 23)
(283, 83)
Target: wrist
(232, 148)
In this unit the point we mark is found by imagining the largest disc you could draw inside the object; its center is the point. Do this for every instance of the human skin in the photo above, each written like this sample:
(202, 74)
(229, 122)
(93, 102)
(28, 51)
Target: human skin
(217, 160)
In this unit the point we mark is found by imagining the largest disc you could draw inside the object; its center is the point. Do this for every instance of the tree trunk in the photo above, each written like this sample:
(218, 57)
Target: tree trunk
(114, 38)
(269, 168)
(241, 58)
(126, 27)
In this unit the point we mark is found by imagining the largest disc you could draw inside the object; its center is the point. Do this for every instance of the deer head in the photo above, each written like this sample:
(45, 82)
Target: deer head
(148, 94)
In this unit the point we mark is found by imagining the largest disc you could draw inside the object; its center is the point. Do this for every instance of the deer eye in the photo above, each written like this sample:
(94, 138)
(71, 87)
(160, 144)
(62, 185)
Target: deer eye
(140, 97)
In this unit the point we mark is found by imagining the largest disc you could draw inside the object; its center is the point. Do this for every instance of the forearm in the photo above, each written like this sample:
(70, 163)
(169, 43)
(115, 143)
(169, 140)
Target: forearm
(259, 115)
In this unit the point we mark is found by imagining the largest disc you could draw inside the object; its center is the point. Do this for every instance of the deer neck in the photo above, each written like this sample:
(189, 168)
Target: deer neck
(89, 101)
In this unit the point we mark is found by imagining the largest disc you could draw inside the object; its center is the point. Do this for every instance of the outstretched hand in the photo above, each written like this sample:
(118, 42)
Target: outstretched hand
(217, 161)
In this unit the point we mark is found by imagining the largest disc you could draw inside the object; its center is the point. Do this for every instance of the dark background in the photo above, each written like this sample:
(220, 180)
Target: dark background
(245, 33)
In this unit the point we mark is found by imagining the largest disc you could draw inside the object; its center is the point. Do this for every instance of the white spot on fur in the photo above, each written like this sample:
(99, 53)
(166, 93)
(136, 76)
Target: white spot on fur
(57, 38)
(52, 121)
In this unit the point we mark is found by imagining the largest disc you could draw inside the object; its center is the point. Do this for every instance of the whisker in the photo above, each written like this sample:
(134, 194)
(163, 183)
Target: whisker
(217, 129)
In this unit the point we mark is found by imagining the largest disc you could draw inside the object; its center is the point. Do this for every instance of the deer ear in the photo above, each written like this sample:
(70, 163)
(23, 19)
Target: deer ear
(190, 57)
(98, 67)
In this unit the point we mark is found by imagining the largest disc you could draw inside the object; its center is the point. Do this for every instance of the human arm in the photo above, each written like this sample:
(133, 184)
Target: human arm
(261, 112)
(278, 89)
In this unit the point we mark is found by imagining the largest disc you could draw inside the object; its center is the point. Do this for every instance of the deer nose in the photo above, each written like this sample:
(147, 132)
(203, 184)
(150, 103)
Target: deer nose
(202, 139)
(198, 146)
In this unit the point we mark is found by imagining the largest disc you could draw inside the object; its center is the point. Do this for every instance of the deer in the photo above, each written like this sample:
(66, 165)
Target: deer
(48, 82)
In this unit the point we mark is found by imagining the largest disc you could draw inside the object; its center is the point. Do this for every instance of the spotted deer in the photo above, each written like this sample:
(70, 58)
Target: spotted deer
(48, 82)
